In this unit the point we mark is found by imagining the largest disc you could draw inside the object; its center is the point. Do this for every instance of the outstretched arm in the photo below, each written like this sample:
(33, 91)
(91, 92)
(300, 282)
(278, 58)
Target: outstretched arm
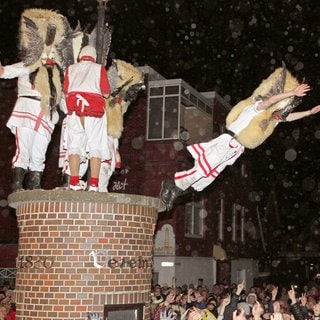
(1, 69)
(299, 91)
(299, 115)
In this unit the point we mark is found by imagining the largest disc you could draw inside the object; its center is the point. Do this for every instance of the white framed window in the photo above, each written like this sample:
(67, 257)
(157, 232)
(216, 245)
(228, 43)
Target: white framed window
(164, 112)
(168, 102)
(194, 219)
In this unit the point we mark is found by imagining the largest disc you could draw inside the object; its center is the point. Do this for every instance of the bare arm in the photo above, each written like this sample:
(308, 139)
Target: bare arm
(299, 115)
(1, 69)
(299, 91)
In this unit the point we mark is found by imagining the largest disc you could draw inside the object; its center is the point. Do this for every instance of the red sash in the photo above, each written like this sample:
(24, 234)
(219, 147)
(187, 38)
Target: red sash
(86, 104)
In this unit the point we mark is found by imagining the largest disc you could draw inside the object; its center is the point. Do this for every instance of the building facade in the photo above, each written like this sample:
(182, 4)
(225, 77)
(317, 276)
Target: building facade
(214, 234)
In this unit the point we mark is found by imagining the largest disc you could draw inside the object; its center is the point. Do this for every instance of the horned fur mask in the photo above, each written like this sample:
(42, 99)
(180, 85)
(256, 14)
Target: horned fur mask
(40, 32)
(263, 124)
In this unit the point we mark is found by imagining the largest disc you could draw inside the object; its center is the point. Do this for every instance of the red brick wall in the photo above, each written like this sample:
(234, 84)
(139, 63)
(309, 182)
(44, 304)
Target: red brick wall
(56, 275)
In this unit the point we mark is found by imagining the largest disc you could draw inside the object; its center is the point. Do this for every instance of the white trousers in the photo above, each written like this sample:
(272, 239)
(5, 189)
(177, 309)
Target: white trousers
(210, 160)
(31, 148)
(88, 139)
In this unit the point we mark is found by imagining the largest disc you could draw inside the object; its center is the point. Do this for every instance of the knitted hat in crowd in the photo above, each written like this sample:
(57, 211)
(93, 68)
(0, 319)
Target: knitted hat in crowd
(88, 51)
(245, 307)
(251, 295)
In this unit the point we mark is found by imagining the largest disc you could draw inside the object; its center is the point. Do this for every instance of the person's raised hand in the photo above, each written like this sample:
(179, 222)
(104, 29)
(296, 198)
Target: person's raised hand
(315, 110)
(301, 90)
(194, 314)
(276, 316)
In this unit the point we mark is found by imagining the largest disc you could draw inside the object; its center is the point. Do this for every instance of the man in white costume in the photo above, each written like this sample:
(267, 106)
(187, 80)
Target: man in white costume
(32, 129)
(212, 157)
(86, 87)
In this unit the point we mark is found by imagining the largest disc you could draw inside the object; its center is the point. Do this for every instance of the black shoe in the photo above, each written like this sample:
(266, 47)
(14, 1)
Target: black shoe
(34, 180)
(165, 192)
(169, 193)
(175, 193)
(18, 179)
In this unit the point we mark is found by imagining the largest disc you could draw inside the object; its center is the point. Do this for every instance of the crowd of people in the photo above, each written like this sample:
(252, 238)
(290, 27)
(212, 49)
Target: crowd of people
(218, 302)
(235, 302)
(7, 302)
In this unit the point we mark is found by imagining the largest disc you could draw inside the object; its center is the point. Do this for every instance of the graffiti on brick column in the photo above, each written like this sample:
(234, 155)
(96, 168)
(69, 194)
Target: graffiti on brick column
(112, 263)
(119, 185)
(34, 262)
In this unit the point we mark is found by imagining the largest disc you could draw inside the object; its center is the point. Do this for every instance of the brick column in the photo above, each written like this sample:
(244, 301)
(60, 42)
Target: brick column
(80, 251)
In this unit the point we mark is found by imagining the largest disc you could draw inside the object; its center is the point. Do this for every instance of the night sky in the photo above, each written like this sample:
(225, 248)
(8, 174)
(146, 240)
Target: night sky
(227, 46)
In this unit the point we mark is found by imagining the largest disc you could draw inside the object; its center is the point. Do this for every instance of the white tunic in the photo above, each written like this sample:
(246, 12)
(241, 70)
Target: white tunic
(31, 126)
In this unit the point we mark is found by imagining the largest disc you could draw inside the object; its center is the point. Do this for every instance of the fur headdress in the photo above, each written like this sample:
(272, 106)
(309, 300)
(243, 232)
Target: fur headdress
(40, 32)
(125, 81)
(263, 125)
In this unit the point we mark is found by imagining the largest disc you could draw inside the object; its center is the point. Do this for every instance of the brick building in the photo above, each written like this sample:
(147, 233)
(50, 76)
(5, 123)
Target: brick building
(207, 234)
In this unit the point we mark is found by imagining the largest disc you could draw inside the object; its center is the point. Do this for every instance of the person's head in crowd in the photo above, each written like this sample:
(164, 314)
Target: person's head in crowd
(284, 293)
(233, 288)
(244, 306)
(314, 292)
(2, 295)
(284, 306)
(192, 295)
(311, 301)
(200, 282)
(165, 289)
(258, 291)
(205, 293)
(11, 295)
(198, 296)
(251, 299)
(199, 289)
(157, 286)
(184, 288)
(157, 290)
(178, 296)
(211, 304)
(5, 287)
(252, 290)
(191, 286)
(170, 298)
(183, 299)
(216, 291)
(316, 310)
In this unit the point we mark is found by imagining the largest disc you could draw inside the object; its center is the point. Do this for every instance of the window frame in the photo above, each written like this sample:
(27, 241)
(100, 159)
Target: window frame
(200, 205)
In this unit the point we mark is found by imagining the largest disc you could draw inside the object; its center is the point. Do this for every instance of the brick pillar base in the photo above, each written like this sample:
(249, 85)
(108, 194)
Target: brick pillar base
(81, 251)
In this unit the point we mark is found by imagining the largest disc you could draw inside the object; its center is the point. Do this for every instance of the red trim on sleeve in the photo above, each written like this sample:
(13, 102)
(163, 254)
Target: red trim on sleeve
(104, 82)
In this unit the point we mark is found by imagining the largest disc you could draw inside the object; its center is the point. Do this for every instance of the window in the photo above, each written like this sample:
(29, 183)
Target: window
(168, 101)
(194, 219)
(164, 113)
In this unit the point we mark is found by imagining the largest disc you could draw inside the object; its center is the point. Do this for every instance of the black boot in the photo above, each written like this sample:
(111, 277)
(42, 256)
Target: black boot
(165, 192)
(34, 180)
(169, 193)
(18, 177)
